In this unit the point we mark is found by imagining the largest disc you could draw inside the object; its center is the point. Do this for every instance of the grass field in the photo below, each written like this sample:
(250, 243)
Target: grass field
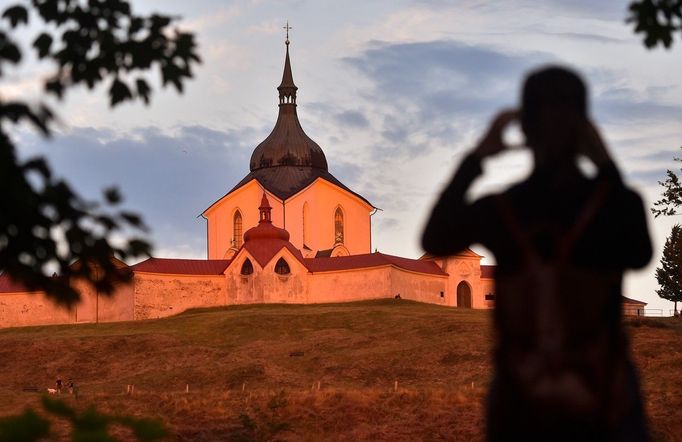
(254, 371)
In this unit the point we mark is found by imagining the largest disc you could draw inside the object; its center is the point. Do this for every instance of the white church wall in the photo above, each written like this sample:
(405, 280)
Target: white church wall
(220, 217)
(323, 198)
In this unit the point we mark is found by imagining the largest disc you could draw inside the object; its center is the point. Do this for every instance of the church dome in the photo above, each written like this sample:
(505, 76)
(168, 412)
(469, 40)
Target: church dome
(288, 144)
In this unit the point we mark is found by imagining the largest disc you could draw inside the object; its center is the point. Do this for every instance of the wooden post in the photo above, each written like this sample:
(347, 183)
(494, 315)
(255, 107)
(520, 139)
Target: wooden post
(243, 387)
(395, 386)
(187, 388)
(318, 385)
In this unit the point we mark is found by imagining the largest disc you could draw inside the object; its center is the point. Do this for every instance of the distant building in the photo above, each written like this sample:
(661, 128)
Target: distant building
(289, 232)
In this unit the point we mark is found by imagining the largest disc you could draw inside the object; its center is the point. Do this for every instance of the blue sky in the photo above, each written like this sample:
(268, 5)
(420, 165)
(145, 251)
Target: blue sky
(395, 92)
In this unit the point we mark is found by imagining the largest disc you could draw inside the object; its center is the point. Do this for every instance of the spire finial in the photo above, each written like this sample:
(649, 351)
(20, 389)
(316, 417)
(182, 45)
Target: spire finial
(287, 89)
(287, 27)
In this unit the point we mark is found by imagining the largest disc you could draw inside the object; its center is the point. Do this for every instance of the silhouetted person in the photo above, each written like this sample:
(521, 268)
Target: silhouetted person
(562, 241)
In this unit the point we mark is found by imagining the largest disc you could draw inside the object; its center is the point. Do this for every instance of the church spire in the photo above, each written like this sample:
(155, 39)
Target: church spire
(264, 210)
(287, 89)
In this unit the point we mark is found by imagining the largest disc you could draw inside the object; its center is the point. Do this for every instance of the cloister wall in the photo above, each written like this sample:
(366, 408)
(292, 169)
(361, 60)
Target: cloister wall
(160, 295)
(419, 286)
(20, 309)
(350, 285)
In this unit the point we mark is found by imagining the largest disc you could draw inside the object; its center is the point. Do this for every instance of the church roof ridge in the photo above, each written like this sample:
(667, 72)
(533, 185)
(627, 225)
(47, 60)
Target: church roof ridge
(182, 266)
(376, 259)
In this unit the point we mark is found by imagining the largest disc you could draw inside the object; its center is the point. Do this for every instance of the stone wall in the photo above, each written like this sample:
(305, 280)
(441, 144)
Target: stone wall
(419, 286)
(160, 295)
(487, 286)
(22, 309)
(350, 285)
(99, 307)
(264, 285)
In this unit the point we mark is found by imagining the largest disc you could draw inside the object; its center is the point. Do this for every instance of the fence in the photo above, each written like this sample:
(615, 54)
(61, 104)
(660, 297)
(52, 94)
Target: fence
(652, 312)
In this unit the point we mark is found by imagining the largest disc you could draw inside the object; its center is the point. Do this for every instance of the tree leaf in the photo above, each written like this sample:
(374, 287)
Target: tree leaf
(27, 427)
(112, 195)
(8, 50)
(43, 44)
(119, 92)
(143, 90)
(16, 14)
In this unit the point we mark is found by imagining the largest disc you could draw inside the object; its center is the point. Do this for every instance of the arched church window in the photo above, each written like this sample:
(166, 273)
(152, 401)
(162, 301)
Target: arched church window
(247, 267)
(282, 267)
(338, 226)
(305, 224)
(237, 236)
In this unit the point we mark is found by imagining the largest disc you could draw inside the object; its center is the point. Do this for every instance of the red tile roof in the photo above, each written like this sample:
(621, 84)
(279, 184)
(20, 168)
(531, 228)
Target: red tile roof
(487, 271)
(183, 266)
(264, 249)
(372, 260)
(632, 301)
(8, 285)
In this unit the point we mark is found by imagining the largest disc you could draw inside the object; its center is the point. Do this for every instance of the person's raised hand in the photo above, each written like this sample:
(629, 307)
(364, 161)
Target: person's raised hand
(592, 145)
(492, 142)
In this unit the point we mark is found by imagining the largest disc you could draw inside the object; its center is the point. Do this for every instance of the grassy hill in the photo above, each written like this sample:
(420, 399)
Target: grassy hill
(253, 371)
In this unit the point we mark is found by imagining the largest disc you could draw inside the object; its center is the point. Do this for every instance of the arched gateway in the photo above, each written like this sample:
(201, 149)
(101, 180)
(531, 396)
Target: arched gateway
(463, 295)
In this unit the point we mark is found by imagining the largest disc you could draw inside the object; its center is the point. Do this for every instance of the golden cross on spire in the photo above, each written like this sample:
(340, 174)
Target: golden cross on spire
(287, 27)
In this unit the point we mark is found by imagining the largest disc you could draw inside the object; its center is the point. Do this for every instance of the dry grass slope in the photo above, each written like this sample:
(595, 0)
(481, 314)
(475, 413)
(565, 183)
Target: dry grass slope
(277, 354)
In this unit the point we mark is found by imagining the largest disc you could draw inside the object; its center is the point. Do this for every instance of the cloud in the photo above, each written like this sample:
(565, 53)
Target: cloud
(352, 119)
(585, 36)
(431, 89)
(169, 177)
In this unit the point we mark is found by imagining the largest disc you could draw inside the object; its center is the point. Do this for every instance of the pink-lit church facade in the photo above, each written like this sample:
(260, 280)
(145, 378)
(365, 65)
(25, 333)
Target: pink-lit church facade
(289, 232)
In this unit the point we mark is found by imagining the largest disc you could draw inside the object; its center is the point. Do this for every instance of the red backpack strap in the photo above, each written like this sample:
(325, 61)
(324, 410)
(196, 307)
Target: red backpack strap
(567, 243)
(518, 233)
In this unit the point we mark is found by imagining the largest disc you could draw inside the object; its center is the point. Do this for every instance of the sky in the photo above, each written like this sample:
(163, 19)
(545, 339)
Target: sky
(395, 93)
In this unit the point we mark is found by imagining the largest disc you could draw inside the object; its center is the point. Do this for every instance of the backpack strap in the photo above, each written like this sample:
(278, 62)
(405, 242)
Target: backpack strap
(566, 243)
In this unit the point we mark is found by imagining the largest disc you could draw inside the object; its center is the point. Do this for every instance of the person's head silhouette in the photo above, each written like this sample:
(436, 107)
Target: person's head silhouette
(553, 115)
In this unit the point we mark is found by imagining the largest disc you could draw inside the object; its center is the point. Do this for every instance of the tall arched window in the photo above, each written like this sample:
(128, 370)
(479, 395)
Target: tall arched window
(282, 267)
(247, 267)
(237, 229)
(338, 226)
(305, 224)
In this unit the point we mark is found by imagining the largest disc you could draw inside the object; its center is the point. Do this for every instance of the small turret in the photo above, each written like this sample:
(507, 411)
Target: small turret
(265, 229)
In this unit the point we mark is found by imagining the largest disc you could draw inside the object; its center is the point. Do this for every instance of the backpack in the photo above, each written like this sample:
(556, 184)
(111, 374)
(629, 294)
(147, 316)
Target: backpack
(559, 336)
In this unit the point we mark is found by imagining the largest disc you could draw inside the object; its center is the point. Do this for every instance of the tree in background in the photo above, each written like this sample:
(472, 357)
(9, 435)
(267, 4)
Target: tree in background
(658, 20)
(669, 274)
(672, 195)
(45, 226)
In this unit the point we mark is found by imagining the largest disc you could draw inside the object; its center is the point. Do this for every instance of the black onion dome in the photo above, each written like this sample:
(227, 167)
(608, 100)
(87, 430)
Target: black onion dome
(287, 144)
(288, 160)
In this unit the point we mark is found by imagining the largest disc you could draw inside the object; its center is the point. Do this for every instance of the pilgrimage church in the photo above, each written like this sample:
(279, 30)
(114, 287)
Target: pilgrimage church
(288, 232)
